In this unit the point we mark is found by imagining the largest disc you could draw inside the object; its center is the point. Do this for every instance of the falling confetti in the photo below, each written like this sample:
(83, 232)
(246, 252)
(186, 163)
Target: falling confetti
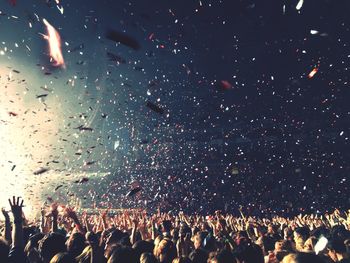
(225, 84)
(133, 192)
(54, 40)
(41, 171)
(312, 73)
(299, 5)
(196, 104)
(123, 38)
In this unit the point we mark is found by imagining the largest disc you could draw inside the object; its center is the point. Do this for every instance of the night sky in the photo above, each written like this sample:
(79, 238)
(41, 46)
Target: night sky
(204, 105)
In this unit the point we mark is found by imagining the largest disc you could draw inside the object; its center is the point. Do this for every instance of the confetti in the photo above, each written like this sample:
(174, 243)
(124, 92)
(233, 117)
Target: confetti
(82, 180)
(58, 187)
(299, 5)
(115, 58)
(41, 171)
(224, 84)
(133, 192)
(123, 39)
(54, 40)
(202, 114)
(13, 114)
(312, 73)
(41, 96)
(82, 128)
(155, 107)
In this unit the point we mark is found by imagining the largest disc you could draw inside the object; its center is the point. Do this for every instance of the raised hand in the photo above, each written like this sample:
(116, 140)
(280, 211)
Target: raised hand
(92, 239)
(135, 222)
(54, 209)
(16, 208)
(69, 212)
(42, 211)
(5, 213)
(7, 225)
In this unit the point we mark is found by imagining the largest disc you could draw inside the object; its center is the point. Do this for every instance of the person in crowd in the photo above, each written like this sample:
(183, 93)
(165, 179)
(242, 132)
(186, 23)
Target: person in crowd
(337, 250)
(135, 236)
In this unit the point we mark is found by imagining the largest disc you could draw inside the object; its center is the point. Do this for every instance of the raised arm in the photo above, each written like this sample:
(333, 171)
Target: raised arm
(16, 208)
(54, 216)
(7, 226)
(69, 212)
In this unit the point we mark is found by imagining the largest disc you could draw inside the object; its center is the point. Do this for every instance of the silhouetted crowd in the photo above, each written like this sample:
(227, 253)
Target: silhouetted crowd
(135, 236)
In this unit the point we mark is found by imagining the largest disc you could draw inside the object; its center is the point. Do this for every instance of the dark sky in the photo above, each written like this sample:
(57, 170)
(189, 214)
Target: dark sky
(204, 99)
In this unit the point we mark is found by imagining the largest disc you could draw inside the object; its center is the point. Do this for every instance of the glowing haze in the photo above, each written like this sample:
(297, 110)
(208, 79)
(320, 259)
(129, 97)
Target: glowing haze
(27, 129)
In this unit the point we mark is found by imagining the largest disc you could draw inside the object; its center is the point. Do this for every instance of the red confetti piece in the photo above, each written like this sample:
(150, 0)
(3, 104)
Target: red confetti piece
(225, 84)
(151, 36)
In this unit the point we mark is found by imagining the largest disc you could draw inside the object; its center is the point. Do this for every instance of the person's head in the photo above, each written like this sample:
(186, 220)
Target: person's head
(85, 256)
(199, 239)
(4, 248)
(267, 243)
(114, 237)
(281, 254)
(62, 258)
(142, 246)
(271, 229)
(76, 244)
(166, 226)
(157, 241)
(182, 260)
(184, 229)
(249, 253)
(287, 233)
(224, 256)
(123, 254)
(166, 251)
(33, 242)
(309, 244)
(283, 245)
(302, 257)
(336, 249)
(320, 231)
(199, 256)
(125, 241)
(148, 258)
(242, 234)
(28, 232)
(300, 235)
(50, 245)
(31, 248)
(301, 232)
(340, 232)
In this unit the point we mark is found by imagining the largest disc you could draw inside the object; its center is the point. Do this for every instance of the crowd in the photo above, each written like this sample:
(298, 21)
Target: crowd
(134, 236)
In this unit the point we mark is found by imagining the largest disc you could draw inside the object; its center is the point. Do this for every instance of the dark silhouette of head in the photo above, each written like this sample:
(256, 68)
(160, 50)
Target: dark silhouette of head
(123, 254)
(76, 244)
(51, 245)
(148, 258)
